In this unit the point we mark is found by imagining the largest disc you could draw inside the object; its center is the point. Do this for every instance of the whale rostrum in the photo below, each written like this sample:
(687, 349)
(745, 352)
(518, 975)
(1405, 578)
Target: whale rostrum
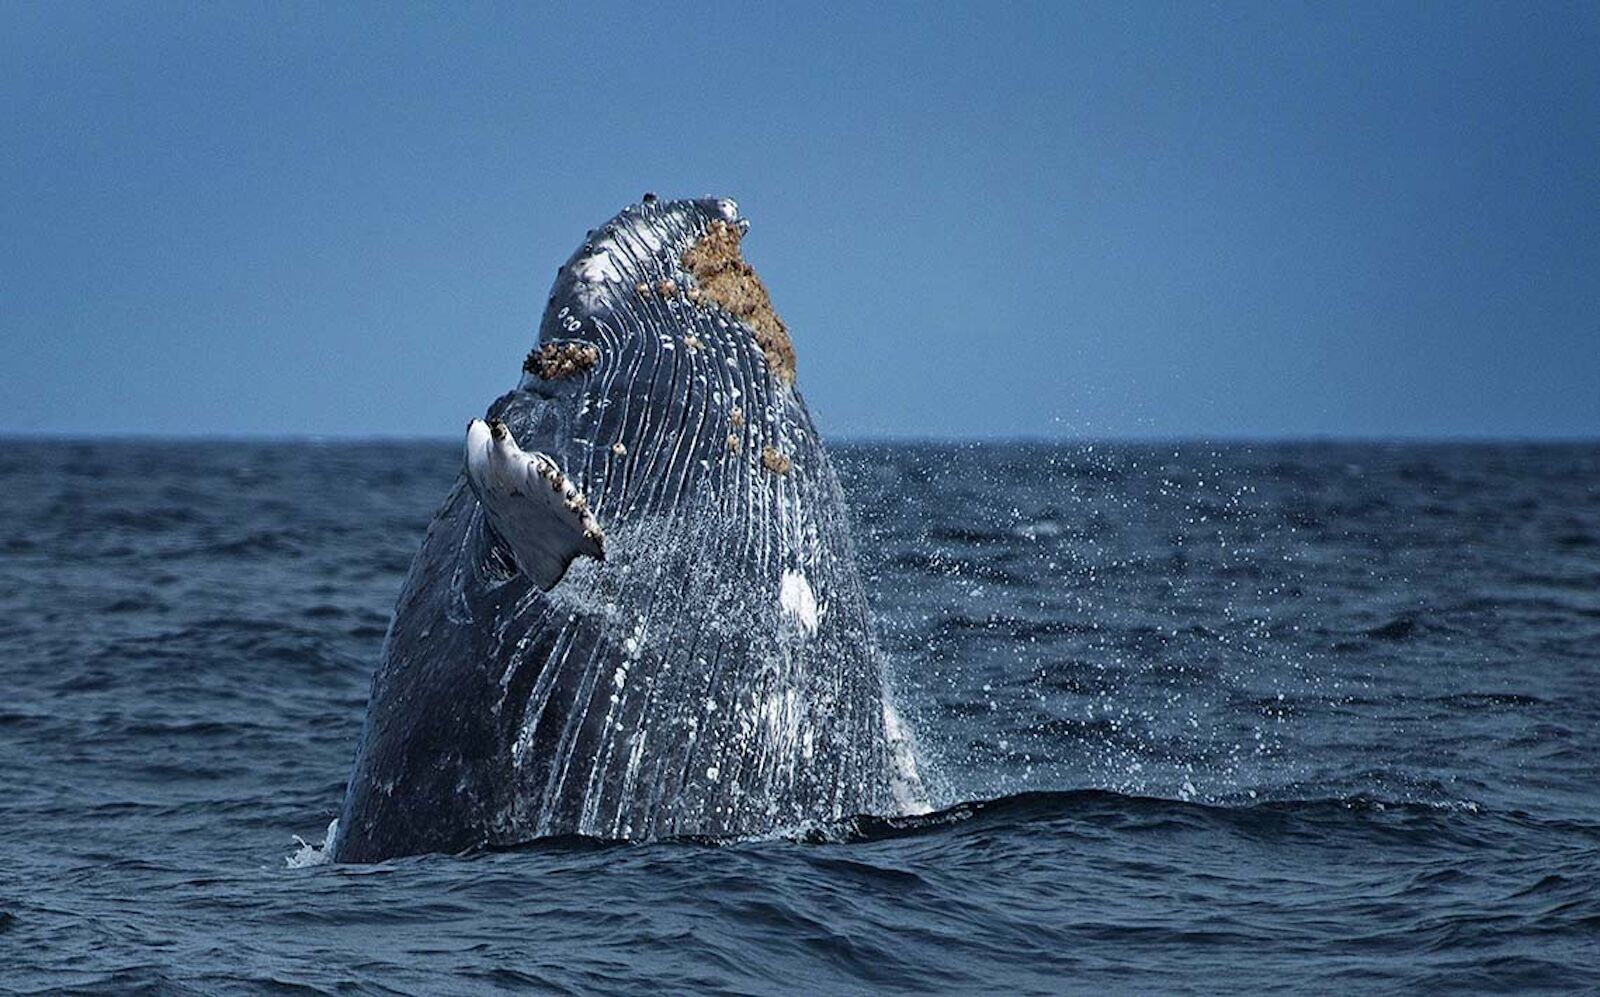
(638, 612)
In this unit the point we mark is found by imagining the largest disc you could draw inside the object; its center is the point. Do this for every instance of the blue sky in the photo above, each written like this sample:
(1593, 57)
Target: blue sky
(988, 220)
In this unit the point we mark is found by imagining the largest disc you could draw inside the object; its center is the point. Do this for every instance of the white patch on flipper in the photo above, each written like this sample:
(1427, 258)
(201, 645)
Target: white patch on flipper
(797, 601)
(532, 505)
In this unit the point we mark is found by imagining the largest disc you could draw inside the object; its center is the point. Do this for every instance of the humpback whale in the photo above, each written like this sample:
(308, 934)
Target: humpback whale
(638, 613)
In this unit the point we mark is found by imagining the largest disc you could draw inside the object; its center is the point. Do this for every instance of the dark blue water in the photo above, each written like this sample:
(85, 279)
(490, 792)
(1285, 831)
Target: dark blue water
(1309, 718)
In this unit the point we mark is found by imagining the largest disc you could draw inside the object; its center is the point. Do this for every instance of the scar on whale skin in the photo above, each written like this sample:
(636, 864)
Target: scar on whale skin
(723, 276)
(553, 361)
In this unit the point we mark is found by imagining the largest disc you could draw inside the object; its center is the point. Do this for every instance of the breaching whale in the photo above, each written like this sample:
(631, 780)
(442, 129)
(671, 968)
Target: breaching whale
(638, 613)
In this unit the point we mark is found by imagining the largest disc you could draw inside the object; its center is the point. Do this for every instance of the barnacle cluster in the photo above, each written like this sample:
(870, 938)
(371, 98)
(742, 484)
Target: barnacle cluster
(554, 361)
(721, 274)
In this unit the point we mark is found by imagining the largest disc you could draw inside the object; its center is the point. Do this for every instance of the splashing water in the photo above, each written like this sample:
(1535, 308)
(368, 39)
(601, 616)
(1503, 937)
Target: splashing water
(312, 855)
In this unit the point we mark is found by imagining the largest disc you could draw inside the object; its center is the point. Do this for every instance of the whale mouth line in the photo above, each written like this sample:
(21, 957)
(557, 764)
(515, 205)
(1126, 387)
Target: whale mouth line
(721, 274)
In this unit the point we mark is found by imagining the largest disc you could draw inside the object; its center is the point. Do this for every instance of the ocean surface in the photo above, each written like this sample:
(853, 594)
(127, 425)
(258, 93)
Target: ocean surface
(1289, 717)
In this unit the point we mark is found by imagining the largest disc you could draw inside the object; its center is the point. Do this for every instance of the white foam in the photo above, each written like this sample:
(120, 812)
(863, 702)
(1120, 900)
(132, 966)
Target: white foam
(310, 855)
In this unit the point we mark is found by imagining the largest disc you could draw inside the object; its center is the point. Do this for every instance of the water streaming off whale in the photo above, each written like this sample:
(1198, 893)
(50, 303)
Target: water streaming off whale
(710, 669)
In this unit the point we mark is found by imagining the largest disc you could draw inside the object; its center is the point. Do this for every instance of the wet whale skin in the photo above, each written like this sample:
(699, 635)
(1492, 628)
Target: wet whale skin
(715, 674)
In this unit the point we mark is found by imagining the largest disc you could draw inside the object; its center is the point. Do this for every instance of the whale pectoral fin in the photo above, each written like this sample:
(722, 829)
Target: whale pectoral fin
(536, 510)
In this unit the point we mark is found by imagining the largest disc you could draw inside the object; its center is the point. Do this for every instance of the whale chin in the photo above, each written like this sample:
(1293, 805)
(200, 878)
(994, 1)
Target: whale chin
(638, 613)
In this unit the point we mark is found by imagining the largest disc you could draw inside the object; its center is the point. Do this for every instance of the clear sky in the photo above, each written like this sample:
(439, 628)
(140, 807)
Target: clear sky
(987, 220)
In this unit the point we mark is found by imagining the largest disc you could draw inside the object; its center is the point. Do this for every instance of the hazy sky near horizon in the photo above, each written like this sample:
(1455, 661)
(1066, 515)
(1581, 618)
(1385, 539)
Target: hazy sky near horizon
(978, 220)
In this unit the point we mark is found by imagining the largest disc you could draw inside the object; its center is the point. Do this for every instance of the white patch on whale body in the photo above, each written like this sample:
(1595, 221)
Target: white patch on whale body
(797, 601)
(781, 715)
(905, 782)
(598, 268)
